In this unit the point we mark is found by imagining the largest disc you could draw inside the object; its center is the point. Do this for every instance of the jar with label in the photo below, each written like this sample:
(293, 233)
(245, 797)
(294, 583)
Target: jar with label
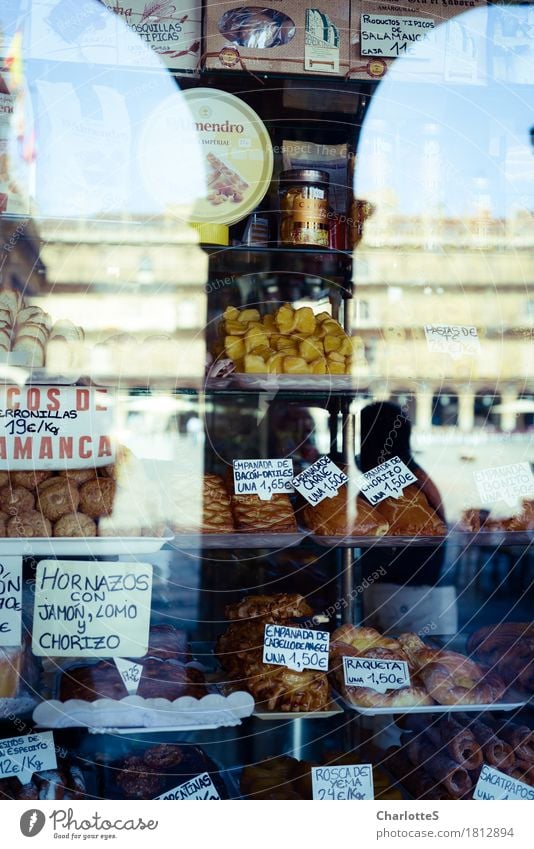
(304, 207)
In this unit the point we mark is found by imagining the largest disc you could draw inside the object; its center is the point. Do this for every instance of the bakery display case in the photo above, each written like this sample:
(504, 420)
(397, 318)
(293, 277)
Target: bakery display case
(266, 488)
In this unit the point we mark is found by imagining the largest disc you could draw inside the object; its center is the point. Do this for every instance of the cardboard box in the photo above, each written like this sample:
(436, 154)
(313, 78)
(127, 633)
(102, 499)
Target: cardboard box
(288, 37)
(425, 40)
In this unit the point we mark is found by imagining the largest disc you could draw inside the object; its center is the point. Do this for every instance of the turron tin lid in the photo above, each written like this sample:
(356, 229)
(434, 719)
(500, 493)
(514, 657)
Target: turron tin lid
(237, 153)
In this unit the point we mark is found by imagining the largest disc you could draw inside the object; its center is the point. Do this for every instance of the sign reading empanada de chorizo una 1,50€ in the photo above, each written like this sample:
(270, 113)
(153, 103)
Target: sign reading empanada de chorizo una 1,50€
(55, 427)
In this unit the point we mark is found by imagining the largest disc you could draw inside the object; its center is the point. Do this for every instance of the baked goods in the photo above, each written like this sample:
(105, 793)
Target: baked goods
(449, 677)
(29, 523)
(293, 341)
(57, 496)
(508, 648)
(74, 525)
(275, 516)
(363, 638)
(240, 653)
(66, 782)
(154, 770)
(411, 515)
(475, 520)
(17, 670)
(29, 480)
(278, 608)
(163, 679)
(332, 517)
(96, 497)
(168, 643)
(16, 499)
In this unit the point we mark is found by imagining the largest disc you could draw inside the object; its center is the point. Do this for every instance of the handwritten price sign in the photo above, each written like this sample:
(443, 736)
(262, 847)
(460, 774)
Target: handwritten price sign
(343, 783)
(387, 479)
(130, 673)
(263, 477)
(10, 601)
(320, 480)
(22, 756)
(201, 787)
(379, 675)
(296, 648)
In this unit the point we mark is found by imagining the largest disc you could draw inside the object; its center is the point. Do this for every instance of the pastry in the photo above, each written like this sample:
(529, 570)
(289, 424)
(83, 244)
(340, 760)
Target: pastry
(277, 688)
(158, 769)
(363, 638)
(56, 497)
(253, 515)
(411, 515)
(508, 648)
(3, 520)
(16, 499)
(4, 479)
(216, 513)
(96, 497)
(65, 783)
(159, 679)
(278, 608)
(75, 525)
(449, 677)
(30, 480)
(78, 476)
(168, 643)
(29, 523)
(331, 517)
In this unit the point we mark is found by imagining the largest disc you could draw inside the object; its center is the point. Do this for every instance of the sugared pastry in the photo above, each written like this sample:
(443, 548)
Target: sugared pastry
(29, 523)
(363, 638)
(56, 497)
(411, 515)
(332, 517)
(30, 480)
(75, 525)
(16, 499)
(96, 497)
(277, 688)
(278, 607)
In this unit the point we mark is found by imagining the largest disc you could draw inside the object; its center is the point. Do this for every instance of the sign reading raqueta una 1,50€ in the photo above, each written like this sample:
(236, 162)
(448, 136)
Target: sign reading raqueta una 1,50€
(91, 609)
(50, 427)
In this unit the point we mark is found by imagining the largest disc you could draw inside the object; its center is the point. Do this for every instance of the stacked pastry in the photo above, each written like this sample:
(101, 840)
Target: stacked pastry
(508, 648)
(475, 520)
(66, 782)
(441, 757)
(29, 332)
(240, 653)
(166, 673)
(251, 514)
(436, 675)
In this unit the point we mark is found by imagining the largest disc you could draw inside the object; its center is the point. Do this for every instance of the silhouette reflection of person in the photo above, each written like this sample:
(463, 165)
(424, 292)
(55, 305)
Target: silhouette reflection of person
(413, 593)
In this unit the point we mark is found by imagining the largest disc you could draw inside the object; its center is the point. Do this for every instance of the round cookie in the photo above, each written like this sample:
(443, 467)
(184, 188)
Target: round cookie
(75, 525)
(96, 497)
(30, 480)
(29, 524)
(16, 499)
(78, 476)
(57, 496)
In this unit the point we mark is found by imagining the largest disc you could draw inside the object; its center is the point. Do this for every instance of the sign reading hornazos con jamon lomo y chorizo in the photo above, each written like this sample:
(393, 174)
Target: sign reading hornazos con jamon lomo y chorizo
(54, 427)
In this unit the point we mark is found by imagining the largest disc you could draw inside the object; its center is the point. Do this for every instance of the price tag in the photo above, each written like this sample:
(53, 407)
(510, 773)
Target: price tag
(493, 784)
(54, 427)
(453, 339)
(10, 601)
(506, 483)
(296, 648)
(379, 675)
(394, 35)
(90, 609)
(263, 477)
(333, 783)
(320, 480)
(200, 787)
(387, 479)
(22, 756)
(130, 673)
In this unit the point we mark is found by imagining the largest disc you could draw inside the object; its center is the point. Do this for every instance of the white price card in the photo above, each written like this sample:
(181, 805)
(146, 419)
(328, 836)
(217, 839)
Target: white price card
(10, 601)
(394, 35)
(54, 427)
(493, 784)
(264, 478)
(89, 609)
(296, 648)
(343, 783)
(387, 479)
(377, 674)
(130, 673)
(200, 787)
(505, 483)
(453, 339)
(22, 756)
(320, 480)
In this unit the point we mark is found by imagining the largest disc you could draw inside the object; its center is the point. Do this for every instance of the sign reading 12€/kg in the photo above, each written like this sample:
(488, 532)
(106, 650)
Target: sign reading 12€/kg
(22, 756)
(90, 609)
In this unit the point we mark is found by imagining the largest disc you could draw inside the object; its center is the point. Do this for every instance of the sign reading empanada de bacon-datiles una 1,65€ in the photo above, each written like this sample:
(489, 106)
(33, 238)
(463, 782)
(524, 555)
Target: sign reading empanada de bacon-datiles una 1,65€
(55, 427)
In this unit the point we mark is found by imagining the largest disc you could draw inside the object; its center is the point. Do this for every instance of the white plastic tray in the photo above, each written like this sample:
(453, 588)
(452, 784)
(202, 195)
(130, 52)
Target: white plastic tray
(81, 546)
(274, 382)
(134, 712)
(237, 540)
(271, 715)
(389, 711)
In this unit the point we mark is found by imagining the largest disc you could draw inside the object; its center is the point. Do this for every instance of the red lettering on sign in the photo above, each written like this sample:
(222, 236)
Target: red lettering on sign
(85, 453)
(53, 399)
(33, 398)
(104, 447)
(13, 393)
(65, 447)
(46, 452)
(3, 448)
(22, 448)
(82, 400)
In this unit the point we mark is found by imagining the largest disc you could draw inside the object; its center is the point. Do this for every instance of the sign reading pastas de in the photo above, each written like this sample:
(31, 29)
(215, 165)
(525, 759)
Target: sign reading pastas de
(296, 648)
(10, 601)
(339, 783)
(200, 787)
(507, 483)
(320, 480)
(263, 477)
(377, 674)
(22, 756)
(90, 609)
(54, 427)
(493, 784)
(453, 339)
(387, 479)
(394, 35)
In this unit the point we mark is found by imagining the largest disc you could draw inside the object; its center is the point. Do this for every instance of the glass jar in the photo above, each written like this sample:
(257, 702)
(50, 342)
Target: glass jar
(304, 207)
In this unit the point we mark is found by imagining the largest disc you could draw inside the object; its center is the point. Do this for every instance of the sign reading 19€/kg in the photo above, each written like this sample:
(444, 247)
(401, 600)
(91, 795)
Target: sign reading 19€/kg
(47, 427)
(90, 609)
